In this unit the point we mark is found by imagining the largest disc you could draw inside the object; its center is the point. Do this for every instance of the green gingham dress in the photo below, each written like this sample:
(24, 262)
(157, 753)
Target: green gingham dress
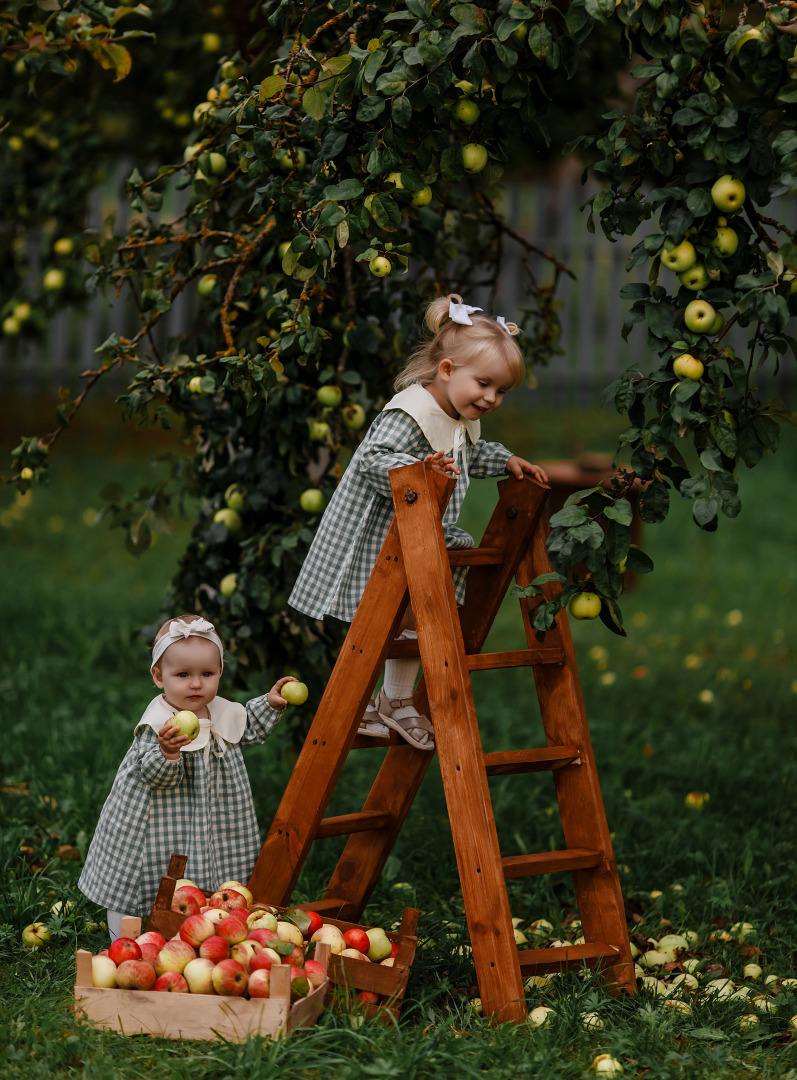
(350, 534)
(200, 806)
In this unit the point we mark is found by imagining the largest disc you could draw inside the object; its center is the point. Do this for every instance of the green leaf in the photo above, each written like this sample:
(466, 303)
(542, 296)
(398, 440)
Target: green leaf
(314, 102)
(344, 191)
(654, 502)
(369, 108)
(622, 512)
(299, 918)
(704, 511)
(271, 86)
(392, 82)
(568, 516)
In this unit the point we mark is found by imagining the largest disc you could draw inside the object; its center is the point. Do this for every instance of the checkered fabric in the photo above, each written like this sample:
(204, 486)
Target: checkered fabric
(158, 807)
(346, 546)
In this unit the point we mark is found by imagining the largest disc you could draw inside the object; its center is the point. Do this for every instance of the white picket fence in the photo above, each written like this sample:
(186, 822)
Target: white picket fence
(547, 213)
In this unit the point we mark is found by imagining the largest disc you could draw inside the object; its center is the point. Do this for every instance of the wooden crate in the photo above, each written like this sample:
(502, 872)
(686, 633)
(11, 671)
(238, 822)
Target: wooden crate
(390, 983)
(196, 1016)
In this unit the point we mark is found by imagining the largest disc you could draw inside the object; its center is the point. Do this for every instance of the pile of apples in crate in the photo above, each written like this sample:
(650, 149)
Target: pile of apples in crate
(228, 944)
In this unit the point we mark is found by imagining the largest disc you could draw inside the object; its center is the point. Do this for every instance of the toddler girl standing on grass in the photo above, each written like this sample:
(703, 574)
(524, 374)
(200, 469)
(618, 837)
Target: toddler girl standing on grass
(172, 794)
(454, 379)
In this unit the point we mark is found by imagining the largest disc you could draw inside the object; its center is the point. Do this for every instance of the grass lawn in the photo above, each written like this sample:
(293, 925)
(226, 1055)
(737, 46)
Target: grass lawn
(699, 697)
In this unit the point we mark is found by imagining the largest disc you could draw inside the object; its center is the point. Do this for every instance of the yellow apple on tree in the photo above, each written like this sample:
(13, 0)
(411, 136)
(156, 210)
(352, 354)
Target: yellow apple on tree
(228, 584)
(206, 284)
(687, 366)
(728, 194)
(725, 242)
(695, 278)
(235, 497)
(474, 157)
(380, 266)
(230, 519)
(422, 197)
(330, 396)
(354, 416)
(11, 326)
(312, 501)
(679, 257)
(54, 280)
(585, 605)
(699, 316)
(64, 245)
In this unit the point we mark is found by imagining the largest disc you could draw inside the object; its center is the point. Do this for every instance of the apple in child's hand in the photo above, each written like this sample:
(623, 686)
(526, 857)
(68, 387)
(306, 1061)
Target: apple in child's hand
(151, 936)
(229, 978)
(214, 948)
(357, 939)
(171, 982)
(174, 956)
(188, 900)
(196, 928)
(236, 886)
(227, 899)
(124, 948)
(330, 935)
(187, 723)
(103, 972)
(267, 958)
(135, 975)
(198, 974)
(294, 692)
(380, 945)
(316, 973)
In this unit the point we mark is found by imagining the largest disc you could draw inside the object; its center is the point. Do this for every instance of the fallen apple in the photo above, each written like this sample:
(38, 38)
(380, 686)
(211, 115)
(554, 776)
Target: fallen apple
(606, 1065)
(36, 936)
(540, 1017)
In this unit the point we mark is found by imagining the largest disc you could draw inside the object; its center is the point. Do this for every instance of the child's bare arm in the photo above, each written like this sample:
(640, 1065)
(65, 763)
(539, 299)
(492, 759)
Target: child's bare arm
(170, 740)
(519, 467)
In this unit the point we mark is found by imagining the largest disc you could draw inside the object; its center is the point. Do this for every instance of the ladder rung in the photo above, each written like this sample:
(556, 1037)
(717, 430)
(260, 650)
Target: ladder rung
(345, 824)
(509, 762)
(514, 658)
(550, 862)
(477, 556)
(539, 961)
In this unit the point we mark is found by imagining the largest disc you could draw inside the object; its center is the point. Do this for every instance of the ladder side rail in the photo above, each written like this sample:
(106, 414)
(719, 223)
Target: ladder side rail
(465, 784)
(578, 792)
(334, 726)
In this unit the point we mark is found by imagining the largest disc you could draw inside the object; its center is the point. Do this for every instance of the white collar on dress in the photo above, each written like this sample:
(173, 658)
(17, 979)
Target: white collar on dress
(442, 431)
(226, 724)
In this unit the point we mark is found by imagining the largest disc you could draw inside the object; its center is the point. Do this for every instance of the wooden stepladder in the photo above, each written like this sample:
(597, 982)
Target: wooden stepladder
(413, 566)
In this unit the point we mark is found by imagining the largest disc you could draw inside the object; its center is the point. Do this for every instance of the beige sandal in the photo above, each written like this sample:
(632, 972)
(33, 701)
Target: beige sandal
(371, 723)
(401, 716)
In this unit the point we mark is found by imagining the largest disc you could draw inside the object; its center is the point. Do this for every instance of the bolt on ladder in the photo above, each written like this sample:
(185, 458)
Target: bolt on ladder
(414, 567)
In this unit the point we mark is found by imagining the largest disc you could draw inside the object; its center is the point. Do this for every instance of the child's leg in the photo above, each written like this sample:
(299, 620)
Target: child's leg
(115, 923)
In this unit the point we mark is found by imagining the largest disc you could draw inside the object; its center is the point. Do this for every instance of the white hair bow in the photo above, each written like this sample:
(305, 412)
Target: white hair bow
(461, 313)
(180, 629)
(502, 323)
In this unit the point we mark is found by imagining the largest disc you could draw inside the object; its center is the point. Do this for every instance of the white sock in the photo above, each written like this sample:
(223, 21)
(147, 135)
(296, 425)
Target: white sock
(115, 923)
(400, 676)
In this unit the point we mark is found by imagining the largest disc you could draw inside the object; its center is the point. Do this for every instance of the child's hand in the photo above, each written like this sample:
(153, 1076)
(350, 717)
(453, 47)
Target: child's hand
(170, 739)
(440, 463)
(519, 467)
(274, 697)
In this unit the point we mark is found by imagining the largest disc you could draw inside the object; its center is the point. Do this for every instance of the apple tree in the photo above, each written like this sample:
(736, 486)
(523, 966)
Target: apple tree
(344, 164)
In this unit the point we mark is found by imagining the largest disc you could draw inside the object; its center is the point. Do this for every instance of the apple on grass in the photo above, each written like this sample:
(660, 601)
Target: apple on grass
(367, 997)
(171, 982)
(135, 975)
(124, 948)
(229, 978)
(103, 972)
(36, 936)
(198, 974)
(196, 929)
(174, 956)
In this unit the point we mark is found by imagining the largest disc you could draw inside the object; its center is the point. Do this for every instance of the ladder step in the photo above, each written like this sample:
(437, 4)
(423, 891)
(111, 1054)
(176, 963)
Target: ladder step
(345, 824)
(509, 762)
(540, 961)
(550, 862)
(477, 556)
(404, 650)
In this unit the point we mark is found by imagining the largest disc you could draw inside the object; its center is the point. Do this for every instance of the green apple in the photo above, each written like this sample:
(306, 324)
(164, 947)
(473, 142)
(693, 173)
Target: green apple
(717, 325)
(695, 278)
(54, 280)
(11, 326)
(354, 416)
(474, 157)
(287, 160)
(380, 266)
(21, 311)
(699, 316)
(381, 946)
(186, 722)
(191, 151)
(203, 109)
(687, 366)
(206, 284)
(64, 245)
(422, 197)
(26, 473)
(725, 242)
(211, 42)
(728, 194)
(218, 163)
(195, 385)
(230, 519)
(312, 501)
(320, 430)
(228, 584)
(235, 497)
(329, 395)
(294, 692)
(35, 936)
(679, 258)
(466, 112)
(585, 605)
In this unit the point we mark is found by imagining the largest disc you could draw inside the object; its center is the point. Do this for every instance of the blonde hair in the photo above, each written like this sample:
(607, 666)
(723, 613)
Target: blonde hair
(461, 344)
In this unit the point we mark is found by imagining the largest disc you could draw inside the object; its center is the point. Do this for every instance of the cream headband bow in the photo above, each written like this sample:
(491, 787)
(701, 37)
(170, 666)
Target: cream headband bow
(461, 313)
(179, 630)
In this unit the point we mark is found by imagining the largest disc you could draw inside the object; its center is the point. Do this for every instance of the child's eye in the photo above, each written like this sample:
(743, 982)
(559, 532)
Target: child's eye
(207, 674)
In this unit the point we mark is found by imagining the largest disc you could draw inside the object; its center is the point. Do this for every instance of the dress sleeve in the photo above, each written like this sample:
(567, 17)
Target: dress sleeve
(489, 459)
(394, 439)
(261, 720)
(156, 770)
